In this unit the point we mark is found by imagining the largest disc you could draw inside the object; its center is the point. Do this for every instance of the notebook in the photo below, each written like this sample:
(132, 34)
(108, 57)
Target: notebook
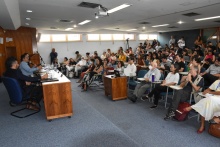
(49, 80)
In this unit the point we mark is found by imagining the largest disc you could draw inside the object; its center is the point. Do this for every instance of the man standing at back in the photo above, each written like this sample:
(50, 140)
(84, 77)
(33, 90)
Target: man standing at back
(53, 55)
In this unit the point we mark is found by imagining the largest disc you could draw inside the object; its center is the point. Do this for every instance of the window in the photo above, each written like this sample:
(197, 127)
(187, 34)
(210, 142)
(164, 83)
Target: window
(93, 37)
(130, 36)
(58, 38)
(143, 36)
(74, 37)
(106, 37)
(152, 37)
(118, 37)
(44, 38)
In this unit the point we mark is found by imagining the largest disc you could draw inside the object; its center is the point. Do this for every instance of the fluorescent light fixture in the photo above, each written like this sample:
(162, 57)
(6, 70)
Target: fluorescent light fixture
(118, 8)
(214, 37)
(75, 26)
(144, 28)
(131, 30)
(27, 24)
(68, 29)
(28, 18)
(84, 22)
(179, 22)
(29, 11)
(160, 25)
(200, 19)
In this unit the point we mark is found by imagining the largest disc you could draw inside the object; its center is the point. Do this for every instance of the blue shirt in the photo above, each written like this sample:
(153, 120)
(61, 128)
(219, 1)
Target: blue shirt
(26, 70)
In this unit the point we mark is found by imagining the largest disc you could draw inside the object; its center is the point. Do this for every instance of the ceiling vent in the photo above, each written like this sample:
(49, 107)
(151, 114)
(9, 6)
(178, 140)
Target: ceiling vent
(144, 22)
(191, 14)
(88, 5)
(65, 20)
(172, 27)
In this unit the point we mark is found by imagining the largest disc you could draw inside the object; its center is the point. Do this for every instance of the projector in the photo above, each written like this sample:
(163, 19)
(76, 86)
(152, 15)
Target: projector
(101, 13)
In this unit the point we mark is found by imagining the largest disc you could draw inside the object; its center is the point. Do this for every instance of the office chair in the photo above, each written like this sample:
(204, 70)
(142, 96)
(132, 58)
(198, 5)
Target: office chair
(16, 96)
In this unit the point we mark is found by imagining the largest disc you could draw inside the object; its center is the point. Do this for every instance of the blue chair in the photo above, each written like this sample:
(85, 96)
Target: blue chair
(133, 83)
(16, 96)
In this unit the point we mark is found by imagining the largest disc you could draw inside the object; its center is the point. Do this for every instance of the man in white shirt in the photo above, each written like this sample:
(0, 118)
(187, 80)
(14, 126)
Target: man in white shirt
(181, 42)
(144, 85)
(103, 56)
(79, 65)
(131, 69)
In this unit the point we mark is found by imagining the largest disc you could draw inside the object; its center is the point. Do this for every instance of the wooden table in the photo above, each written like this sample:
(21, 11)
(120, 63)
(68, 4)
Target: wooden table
(116, 87)
(57, 97)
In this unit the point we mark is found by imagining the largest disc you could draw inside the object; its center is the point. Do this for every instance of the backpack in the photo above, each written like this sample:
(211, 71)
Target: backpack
(181, 116)
(214, 130)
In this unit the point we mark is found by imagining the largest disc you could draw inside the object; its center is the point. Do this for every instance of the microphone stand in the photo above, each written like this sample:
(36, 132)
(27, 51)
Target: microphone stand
(42, 61)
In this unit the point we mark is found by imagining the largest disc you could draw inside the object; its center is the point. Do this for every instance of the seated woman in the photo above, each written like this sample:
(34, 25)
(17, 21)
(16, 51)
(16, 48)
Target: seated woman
(98, 69)
(209, 106)
(210, 55)
(171, 79)
(90, 68)
(106, 66)
(140, 62)
(120, 67)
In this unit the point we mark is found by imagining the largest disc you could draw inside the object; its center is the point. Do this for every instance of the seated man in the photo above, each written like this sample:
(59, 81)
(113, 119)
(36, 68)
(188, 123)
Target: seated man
(80, 65)
(131, 69)
(13, 71)
(25, 68)
(212, 73)
(191, 82)
(144, 85)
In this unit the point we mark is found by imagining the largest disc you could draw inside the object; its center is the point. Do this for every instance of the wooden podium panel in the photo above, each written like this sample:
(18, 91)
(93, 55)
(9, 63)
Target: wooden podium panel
(58, 100)
(116, 87)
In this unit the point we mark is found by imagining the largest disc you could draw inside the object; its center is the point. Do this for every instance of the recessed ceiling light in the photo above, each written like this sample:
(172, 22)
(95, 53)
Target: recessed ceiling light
(68, 29)
(28, 18)
(160, 25)
(118, 8)
(27, 24)
(131, 30)
(144, 28)
(200, 19)
(29, 11)
(84, 22)
(179, 22)
(96, 16)
(75, 26)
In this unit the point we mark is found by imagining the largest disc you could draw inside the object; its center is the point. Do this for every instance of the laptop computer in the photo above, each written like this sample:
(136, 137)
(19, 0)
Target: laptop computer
(117, 73)
(49, 80)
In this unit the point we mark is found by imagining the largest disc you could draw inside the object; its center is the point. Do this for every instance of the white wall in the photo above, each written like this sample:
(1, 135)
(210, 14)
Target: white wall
(68, 49)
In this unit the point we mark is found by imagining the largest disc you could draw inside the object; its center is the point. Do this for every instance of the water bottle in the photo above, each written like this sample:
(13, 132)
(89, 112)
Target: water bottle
(153, 77)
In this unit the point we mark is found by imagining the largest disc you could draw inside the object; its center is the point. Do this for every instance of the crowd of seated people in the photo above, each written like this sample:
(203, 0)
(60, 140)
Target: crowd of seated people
(201, 63)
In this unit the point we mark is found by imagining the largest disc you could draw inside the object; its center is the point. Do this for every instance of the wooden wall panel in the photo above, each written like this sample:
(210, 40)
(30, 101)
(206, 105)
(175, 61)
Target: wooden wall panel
(23, 40)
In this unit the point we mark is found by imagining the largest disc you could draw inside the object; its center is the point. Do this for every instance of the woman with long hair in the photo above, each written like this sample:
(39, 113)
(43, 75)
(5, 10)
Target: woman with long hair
(98, 69)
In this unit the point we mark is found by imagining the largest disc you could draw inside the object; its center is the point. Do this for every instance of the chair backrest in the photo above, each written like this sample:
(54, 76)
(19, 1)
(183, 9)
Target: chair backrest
(14, 89)
(141, 73)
